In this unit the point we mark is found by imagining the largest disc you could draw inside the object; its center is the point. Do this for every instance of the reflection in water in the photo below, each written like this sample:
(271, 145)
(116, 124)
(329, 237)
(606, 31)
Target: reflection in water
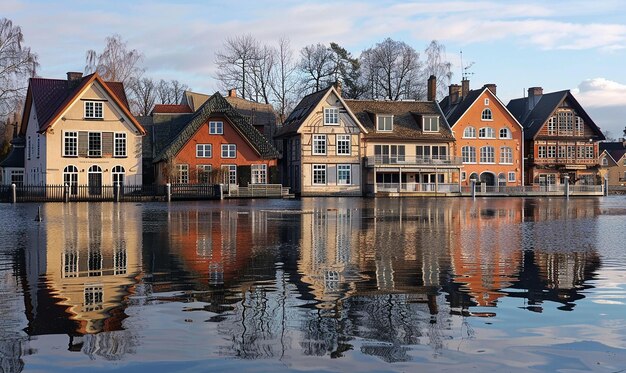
(325, 277)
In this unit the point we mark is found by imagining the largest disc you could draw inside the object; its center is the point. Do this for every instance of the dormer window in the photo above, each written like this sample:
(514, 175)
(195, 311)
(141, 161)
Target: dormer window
(486, 115)
(430, 124)
(93, 110)
(331, 116)
(384, 123)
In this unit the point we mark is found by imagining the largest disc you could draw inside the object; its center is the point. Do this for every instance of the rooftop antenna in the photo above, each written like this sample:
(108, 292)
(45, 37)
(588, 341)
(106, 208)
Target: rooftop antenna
(465, 73)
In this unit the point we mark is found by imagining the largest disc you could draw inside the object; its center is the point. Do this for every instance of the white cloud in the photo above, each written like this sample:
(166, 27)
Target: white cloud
(600, 92)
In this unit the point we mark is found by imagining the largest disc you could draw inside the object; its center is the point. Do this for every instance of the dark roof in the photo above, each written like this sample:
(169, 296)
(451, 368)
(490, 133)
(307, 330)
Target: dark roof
(259, 114)
(454, 110)
(161, 130)
(616, 149)
(190, 123)
(16, 155)
(407, 119)
(301, 112)
(171, 109)
(533, 120)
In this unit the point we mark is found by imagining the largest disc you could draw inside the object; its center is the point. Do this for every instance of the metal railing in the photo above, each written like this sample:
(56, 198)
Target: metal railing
(417, 187)
(259, 191)
(402, 160)
(554, 189)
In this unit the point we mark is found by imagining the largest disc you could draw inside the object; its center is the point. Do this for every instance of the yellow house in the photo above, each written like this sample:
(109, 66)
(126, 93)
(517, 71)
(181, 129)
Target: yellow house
(78, 132)
(613, 162)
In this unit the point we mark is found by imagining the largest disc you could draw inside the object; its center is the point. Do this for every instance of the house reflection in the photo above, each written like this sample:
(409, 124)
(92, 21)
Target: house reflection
(83, 264)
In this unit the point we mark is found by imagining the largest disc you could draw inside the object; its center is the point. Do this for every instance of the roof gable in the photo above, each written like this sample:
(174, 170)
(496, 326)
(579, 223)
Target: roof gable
(216, 104)
(454, 112)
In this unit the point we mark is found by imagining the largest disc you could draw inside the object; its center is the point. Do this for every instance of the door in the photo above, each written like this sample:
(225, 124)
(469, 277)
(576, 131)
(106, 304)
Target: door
(95, 180)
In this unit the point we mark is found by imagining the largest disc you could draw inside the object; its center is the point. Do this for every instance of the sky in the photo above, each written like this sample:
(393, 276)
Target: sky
(557, 45)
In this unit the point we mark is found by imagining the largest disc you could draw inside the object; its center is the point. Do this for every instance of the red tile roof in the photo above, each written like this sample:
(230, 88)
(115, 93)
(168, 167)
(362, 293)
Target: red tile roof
(171, 109)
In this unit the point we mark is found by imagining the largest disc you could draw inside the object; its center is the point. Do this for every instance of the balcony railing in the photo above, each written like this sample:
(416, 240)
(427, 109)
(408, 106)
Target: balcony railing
(403, 160)
(586, 161)
(417, 188)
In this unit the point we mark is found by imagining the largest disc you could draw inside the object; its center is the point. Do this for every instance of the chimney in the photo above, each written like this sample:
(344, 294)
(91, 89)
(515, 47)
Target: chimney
(454, 91)
(337, 85)
(432, 88)
(464, 87)
(491, 87)
(534, 95)
(73, 76)
(232, 92)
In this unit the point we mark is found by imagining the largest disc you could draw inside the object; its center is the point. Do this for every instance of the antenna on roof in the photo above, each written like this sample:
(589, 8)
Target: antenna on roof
(465, 73)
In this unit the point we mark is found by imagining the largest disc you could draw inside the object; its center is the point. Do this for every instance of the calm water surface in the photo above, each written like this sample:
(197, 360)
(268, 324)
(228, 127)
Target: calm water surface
(315, 285)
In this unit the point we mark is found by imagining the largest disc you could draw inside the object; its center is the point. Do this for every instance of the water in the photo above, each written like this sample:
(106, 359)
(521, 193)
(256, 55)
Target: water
(335, 284)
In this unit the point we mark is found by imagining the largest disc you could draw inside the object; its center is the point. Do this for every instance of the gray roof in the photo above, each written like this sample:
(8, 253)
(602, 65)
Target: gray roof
(190, 123)
(454, 110)
(616, 149)
(301, 112)
(15, 158)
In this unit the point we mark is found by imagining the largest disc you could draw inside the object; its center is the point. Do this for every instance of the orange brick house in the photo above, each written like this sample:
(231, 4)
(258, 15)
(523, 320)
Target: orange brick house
(489, 139)
(214, 144)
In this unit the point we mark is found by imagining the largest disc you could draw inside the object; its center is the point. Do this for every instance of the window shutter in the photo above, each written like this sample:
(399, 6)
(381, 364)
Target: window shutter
(107, 144)
(83, 143)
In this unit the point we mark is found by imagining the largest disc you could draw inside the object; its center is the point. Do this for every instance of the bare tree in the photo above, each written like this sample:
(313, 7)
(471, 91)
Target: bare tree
(394, 68)
(316, 66)
(17, 64)
(143, 95)
(116, 62)
(170, 92)
(437, 65)
(235, 63)
(283, 84)
(262, 73)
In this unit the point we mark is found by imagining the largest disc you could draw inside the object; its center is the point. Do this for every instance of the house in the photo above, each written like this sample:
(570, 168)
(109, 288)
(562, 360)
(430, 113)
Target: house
(80, 131)
(613, 162)
(213, 144)
(489, 139)
(408, 147)
(321, 142)
(560, 139)
(12, 167)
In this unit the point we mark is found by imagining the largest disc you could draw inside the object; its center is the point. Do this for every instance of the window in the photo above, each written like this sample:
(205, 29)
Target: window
(562, 150)
(17, 177)
(38, 146)
(93, 110)
(590, 152)
(204, 151)
(204, 170)
(541, 151)
(486, 102)
(463, 175)
(580, 126)
(95, 144)
(230, 176)
(487, 154)
(552, 126)
(183, 174)
(551, 151)
(29, 145)
(344, 172)
(505, 133)
(216, 128)
(429, 152)
(259, 173)
(469, 154)
(512, 176)
(117, 175)
(469, 133)
(431, 124)
(486, 115)
(319, 174)
(119, 145)
(229, 151)
(93, 298)
(331, 116)
(319, 144)
(486, 133)
(70, 144)
(605, 162)
(343, 144)
(387, 154)
(565, 125)
(94, 178)
(70, 178)
(506, 155)
(384, 123)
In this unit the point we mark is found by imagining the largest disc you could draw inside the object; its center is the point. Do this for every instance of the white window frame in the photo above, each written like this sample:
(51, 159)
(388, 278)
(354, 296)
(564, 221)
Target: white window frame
(331, 116)
(486, 115)
(204, 151)
(258, 173)
(379, 122)
(507, 133)
(469, 132)
(94, 153)
(119, 144)
(182, 174)
(203, 170)
(344, 142)
(229, 150)
(319, 168)
(216, 128)
(486, 102)
(428, 119)
(319, 142)
(487, 154)
(68, 135)
(343, 168)
(231, 177)
(486, 133)
(511, 177)
(93, 110)
(605, 161)
(115, 174)
(542, 151)
(463, 176)
(508, 152)
(470, 153)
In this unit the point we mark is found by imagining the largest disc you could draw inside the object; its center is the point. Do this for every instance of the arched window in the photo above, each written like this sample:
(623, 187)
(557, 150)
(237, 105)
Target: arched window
(506, 155)
(486, 115)
(505, 133)
(469, 133)
(487, 133)
(469, 154)
(117, 175)
(474, 176)
(605, 161)
(70, 177)
(487, 154)
(501, 179)
(95, 180)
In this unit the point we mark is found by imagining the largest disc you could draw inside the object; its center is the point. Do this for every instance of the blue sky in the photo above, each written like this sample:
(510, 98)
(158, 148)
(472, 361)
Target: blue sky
(577, 45)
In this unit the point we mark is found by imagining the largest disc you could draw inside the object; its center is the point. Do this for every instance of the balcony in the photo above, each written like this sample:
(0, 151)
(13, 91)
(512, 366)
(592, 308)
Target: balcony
(564, 161)
(410, 161)
(417, 188)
